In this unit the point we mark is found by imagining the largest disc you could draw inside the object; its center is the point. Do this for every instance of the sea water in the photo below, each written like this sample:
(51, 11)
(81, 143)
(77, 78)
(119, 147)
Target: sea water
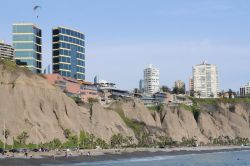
(240, 158)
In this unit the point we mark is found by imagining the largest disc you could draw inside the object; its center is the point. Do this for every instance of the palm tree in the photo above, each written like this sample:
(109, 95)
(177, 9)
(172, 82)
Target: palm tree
(23, 137)
(6, 134)
(66, 133)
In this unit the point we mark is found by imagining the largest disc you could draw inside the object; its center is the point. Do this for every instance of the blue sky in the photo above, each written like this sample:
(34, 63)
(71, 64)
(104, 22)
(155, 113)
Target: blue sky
(124, 36)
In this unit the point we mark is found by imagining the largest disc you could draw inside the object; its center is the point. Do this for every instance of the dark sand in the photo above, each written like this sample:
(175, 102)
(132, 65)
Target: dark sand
(106, 156)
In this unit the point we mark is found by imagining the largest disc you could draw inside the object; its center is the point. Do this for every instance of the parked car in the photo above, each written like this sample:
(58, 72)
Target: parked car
(22, 150)
(35, 150)
(13, 151)
(1, 150)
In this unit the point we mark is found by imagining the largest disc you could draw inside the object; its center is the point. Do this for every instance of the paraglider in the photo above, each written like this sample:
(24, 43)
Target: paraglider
(35, 8)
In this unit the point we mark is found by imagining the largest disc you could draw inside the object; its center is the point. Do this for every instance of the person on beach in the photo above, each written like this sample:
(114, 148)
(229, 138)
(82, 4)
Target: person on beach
(26, 154)
(66, 154)
(54, 156)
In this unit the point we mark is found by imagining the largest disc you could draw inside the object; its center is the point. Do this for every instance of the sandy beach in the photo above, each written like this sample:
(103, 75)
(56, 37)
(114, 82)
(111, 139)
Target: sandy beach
(56, 157)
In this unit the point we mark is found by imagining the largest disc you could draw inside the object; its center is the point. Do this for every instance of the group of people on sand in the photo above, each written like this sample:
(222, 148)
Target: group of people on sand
(26, 155)
(70, 154)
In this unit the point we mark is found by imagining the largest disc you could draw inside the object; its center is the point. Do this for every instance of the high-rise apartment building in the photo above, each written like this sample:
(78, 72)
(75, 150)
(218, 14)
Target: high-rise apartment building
(151, 80)
(6, 51)
(27, 42)
(205, 80)
(245, 90)
(179, 84)
(141, 85)
(191, 84)
(69, 53)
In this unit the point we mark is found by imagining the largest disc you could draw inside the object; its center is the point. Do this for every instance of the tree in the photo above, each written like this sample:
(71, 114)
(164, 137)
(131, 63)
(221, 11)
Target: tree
(92, 100)
(6, 133)
(67, 133)
(56, 143)
(177, 90)
(23, 137)
(165, 88)
(166, 141)
(130, 140)
(101, 143)
(192, 93)
(230, 93)
(116, 140)
(145, 140)
(198, 93)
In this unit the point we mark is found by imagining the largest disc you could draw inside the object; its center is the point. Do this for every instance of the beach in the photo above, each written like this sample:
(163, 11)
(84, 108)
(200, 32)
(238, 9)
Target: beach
(108, 154)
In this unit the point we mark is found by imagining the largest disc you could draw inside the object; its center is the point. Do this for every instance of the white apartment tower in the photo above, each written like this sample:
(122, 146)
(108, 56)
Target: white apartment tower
(245, 90)
(205, 80)
(151, 80)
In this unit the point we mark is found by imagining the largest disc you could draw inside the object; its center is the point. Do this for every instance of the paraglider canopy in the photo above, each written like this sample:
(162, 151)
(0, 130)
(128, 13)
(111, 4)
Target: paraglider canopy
(35, 8)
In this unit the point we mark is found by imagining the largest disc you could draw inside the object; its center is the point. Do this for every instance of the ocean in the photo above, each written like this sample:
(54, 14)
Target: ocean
(240, 158)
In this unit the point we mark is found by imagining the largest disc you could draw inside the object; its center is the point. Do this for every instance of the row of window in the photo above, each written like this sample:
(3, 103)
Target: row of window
(27, 46)
(68, 39)
(68, 46)
(68, 53)
(68, 32)
(68, 60)
(25, 54)
(68, 67)
(27, 38)
(71, 33)
(28, 62)
(71, 46)
(76, 76)
(27, 29)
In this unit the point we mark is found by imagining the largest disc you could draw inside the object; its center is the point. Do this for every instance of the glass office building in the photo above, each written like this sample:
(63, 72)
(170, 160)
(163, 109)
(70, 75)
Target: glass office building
(27, 42)
(69, 53)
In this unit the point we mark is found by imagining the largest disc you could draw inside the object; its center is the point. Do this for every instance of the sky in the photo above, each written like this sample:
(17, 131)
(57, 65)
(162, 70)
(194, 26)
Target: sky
(124, 36)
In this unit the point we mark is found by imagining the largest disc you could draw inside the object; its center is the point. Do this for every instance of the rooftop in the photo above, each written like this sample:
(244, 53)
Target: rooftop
(69, 29)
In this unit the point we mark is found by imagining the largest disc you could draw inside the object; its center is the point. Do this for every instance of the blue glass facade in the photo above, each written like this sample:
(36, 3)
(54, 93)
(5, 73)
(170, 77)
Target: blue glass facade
(69, 53)
(27, 42)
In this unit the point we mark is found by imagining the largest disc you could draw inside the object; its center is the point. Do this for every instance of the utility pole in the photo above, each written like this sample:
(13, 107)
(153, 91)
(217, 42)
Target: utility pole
(36, 139)
(4, 137)
(78, 140)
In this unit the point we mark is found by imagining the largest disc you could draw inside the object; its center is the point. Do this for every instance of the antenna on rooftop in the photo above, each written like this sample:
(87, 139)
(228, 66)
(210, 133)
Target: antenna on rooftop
(204, 62)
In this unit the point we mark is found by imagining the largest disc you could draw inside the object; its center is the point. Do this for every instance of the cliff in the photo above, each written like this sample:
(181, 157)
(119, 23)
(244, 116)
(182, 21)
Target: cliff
(29, 103)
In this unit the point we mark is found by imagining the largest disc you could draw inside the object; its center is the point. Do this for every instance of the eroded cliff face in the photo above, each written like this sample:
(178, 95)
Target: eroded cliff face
(221, 119)
(226, 119)
(29, 103)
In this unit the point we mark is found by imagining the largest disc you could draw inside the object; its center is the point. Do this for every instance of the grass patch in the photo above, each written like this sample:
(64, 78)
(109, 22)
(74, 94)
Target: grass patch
(194, 109)
(220, 100)
(135, 126)
(8, 64)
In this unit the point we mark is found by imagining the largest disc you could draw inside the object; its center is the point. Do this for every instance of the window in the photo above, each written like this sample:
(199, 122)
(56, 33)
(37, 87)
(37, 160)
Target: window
(23, 29)
(67, 32)
(70, 39)
(55, 31)
(24, 54)
(23, 45)
(63, 31)
(55, 46)
(23, 37)
(55, 60)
